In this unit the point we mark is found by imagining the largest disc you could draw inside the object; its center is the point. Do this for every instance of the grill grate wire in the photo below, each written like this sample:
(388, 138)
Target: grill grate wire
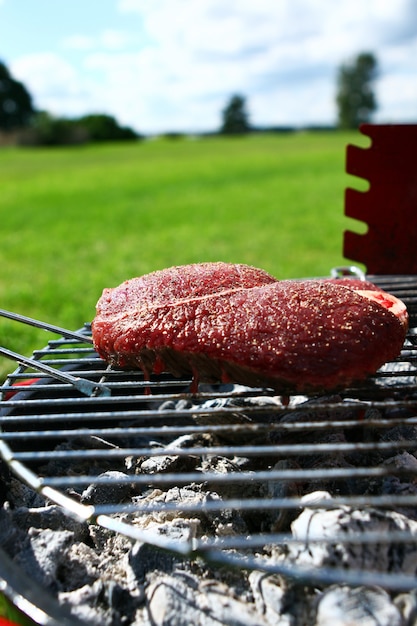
(142, 418)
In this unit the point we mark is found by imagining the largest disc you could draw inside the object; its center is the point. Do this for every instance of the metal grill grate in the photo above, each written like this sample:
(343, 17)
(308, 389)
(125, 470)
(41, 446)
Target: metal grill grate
(259, 453)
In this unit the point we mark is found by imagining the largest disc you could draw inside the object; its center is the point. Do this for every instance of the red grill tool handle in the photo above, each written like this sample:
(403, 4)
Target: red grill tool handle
(389, 207)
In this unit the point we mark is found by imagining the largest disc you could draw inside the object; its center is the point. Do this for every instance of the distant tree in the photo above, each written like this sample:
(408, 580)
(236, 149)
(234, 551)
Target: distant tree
(101, 127)
(48, 130)
(16, 108)
(235, 117)
(355, 91)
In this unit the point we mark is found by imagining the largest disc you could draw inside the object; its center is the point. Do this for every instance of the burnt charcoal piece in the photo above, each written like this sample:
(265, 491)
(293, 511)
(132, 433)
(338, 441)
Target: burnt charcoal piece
(297, 336)
(339, 606)
(185, 600)
(112, 490)
(144, 558)
(43, 555)
(328, 524)
(4, 482)
(102, 602)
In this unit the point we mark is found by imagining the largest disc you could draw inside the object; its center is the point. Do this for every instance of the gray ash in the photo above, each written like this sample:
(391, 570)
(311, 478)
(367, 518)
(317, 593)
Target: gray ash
(109, 579)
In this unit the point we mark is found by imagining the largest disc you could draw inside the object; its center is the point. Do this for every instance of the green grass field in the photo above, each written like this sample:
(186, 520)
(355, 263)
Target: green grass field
(75, 220)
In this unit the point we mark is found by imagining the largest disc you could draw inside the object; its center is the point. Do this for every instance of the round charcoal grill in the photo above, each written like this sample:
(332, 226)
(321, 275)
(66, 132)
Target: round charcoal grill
(319, 490)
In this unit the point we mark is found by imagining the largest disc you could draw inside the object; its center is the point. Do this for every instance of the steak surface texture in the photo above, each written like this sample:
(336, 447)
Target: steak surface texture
(233, 323)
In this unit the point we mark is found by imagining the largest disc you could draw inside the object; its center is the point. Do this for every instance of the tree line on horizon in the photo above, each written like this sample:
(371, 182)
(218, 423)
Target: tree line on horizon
(355, 98)
(23, 124)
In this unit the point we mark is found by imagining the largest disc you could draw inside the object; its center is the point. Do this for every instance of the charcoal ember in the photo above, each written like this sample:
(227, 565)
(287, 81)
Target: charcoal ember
(320, 528)
(112, 552)
(99, 576)
(273, 600)
(159, 498)
(282, 601)
(170, 462)
(362, 606)
(405, 462)
(20, 494)
(334, 460)
(327, 410)
(215, 415)
(229, 522)
(11, 536)
(164, 463)
(101, 603)
(407, 605)
(145, 558)
(109, 491)
(408, 370)
(370, 430)
(86, 465)
(43, 555)
(404, 477)
(4, 482)
(50, 517)
(402, 481)
(173, 462)
(219, 411)
(403, 433)
(397, 486)
(222, 521)
(81, 567)
(241, 402)
(393, 485)
(327, 458)
(193, 440)
(181, 601)
(233, 395)
(280, 519)
(330, 409)
(216, 464)
(182, 404)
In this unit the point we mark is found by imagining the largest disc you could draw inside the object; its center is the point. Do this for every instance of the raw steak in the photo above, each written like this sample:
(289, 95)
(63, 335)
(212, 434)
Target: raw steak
(222, 322)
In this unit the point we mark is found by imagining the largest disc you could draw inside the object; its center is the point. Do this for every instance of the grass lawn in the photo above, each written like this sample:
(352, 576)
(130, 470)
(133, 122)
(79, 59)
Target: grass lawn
(75, 220)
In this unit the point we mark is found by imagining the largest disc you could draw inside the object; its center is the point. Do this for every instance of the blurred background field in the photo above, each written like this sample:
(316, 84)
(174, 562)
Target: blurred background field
(77, 219)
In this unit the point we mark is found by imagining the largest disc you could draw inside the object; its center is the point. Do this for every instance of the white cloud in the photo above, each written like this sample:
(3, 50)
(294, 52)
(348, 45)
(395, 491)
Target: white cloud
(390, 107)
(57, 86)
(286, 53)
(109, 39)
(112, 39)
(78, 42)
(46, 72)
(282, 55)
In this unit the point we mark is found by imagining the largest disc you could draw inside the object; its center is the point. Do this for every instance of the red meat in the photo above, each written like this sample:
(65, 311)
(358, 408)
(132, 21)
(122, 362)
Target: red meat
(247, 327)
(184, 281)
(357, 284)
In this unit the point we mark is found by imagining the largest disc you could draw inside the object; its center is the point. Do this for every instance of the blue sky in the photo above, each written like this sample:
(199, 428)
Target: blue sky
(171, 65)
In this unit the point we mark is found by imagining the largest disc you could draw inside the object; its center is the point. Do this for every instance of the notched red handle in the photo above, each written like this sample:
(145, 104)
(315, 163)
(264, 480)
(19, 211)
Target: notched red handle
(389, 207)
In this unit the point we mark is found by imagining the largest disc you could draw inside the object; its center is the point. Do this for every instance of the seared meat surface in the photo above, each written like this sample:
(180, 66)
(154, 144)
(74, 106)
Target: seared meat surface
(224, 322)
